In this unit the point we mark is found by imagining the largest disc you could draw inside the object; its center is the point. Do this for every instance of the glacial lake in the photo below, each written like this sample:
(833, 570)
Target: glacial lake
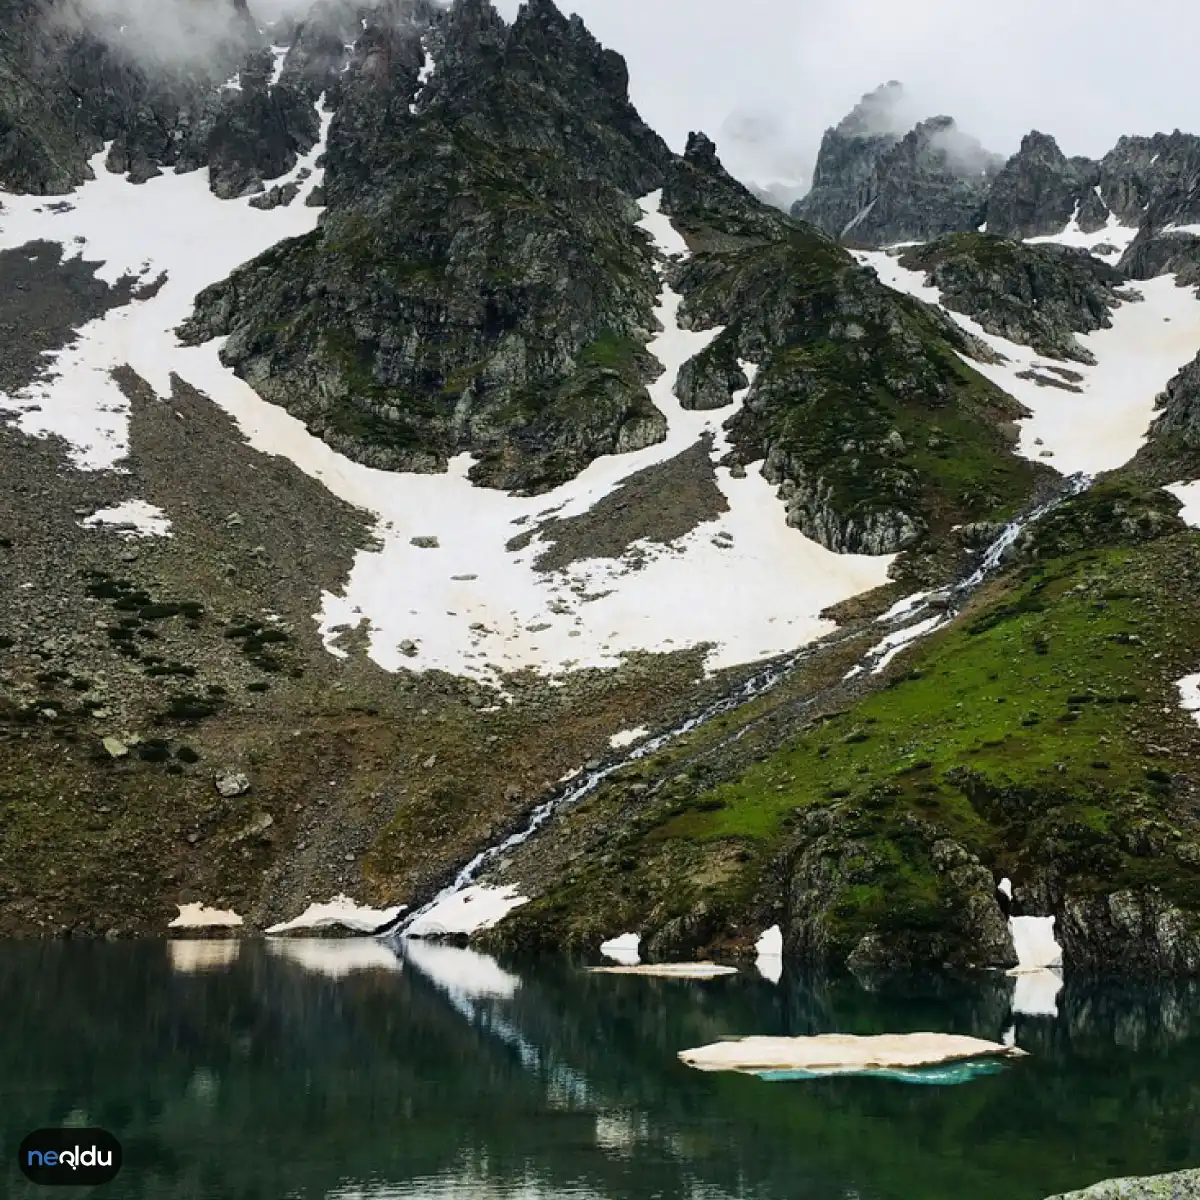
(337, 1069)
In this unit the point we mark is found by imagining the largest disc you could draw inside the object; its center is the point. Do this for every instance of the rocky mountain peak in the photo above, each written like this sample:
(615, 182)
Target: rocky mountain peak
(1039, 190)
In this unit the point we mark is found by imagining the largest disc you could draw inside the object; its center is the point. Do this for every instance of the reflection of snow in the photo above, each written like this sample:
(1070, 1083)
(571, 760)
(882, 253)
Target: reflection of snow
(463, 972)
(189, 955)
(335, 957)
(769, 949)
(1036, 993)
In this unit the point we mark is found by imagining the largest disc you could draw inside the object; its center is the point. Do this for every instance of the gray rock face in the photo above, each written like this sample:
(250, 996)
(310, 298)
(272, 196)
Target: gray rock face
(1132, 933)
(873, 186)
(1040, 296)
(1039, 190)
(847, 160)
(1162, 172)
(476, 283)
(1179, 405)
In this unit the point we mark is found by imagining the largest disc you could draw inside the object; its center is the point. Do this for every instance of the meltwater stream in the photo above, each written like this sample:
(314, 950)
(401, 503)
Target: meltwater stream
(918, 625)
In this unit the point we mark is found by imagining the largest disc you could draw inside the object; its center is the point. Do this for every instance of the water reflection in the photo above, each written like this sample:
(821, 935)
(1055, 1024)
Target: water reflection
(337, 1068)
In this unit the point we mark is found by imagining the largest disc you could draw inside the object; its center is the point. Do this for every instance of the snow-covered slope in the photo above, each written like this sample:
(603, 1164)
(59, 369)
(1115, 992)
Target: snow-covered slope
(745, 584)
(1103, 424)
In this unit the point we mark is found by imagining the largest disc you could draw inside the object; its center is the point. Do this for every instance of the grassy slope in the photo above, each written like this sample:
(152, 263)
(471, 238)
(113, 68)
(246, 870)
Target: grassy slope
(1042, 732)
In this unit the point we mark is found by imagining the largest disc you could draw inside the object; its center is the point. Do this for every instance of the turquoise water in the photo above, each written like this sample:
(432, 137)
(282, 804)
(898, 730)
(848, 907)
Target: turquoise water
(318, 1069)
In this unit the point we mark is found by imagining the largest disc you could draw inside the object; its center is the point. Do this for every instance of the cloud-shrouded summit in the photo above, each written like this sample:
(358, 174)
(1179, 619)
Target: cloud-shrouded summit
(785, 70)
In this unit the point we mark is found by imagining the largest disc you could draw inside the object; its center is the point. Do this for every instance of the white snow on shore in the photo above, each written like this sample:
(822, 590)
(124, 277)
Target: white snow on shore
(340, 912)
(1189, 695)
(1103, 425)
(135, 518)
(623, 950)
(466, 912)
(769, 951)
(1189, 494)
(199, 916)
(1036, 946)
(627, 737)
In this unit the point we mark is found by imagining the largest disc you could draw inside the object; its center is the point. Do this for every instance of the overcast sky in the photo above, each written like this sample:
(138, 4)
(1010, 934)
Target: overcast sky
(766, 77)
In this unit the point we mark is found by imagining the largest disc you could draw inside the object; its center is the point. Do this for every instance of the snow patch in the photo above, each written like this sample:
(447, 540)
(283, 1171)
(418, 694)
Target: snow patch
(136, 518)
(1189, 695)
(1189, 494)
(199, 916)
(1035, 944)
(623, 949)
(340, 912)
(769, 949)
(1113, 234)
(1105, 423)
(896, 643)
(1194, 230)
(279, 54)
(466, 912)
(424, 75)
(903, 607)
(336, 957)
(627, 737)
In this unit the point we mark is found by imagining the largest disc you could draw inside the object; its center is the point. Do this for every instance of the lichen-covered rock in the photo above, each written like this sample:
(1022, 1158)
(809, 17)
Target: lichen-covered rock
(1040, 296)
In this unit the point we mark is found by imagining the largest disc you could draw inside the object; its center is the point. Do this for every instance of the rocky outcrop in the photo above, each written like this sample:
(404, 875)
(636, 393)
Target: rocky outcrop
(1180, 408)
(1040, 296)
(1039, 190)
(875, 187)
(849, 906)
(1162, 171)
(1181, 1185)
(476, 283)
(1136, 932)
(853, 378)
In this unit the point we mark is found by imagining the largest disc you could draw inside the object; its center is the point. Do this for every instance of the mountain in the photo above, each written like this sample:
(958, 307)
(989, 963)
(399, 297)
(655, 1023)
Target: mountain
(415, 471)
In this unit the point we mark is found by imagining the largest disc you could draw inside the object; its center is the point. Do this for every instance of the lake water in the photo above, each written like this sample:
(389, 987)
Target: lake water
(315, 1069)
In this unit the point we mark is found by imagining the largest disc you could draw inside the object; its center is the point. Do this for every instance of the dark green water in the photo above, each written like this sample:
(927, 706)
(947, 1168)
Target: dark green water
(264, 1075)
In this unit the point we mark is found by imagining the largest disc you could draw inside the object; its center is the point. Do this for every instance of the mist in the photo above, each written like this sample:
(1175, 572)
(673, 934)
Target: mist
(766, 78)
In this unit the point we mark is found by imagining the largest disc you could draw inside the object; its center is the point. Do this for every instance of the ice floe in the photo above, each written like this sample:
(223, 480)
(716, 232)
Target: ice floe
(200, 916)
(700, 970)
(466, 912)
(837, 1053)
(1102, 425)
(134, 518)
(339, 913)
